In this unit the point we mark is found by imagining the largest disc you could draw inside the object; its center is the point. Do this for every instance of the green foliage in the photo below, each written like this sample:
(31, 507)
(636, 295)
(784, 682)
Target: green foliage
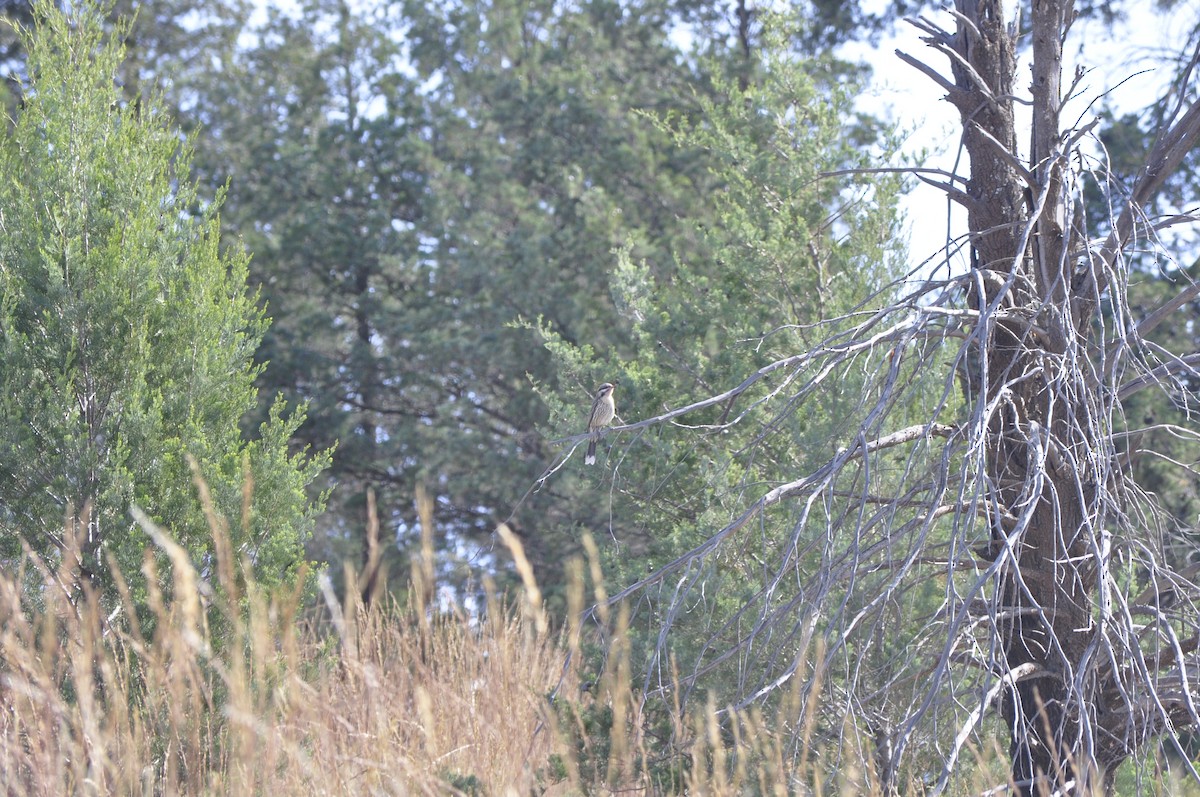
(782, 256)
(312, 128)
(1158, 422)
(402, 224)
(464, 784)
(540, 106)
(126, 336)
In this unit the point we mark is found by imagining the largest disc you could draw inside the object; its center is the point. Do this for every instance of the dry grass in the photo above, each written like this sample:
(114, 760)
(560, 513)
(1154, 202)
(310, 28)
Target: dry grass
(223, 688)
(376, 701)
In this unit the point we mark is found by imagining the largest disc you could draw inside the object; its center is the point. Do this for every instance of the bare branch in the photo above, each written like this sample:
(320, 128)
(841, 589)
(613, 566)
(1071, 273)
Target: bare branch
(913, 170)
(928, 71)
(1185, 364)
(1022, 672)
(917, 432)
(1168, 153)
(1151, 322)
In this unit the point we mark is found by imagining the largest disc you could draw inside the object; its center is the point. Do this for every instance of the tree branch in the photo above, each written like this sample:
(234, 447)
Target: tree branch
(1186, 363)
(783, 491)
(1022, 672)
(1168, 153)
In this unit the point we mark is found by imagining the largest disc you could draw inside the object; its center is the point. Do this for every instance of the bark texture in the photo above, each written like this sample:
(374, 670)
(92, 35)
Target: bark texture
(1037, 290)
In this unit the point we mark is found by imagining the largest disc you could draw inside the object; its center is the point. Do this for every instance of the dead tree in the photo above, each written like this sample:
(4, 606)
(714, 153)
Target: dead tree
(1049, 451)
(1059, 608)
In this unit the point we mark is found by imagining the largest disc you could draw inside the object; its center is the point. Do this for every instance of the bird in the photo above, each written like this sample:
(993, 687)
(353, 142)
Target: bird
(603, 411)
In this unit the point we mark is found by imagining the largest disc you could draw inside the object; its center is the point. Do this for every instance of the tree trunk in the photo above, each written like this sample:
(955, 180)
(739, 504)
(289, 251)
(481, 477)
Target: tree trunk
(1040, 441)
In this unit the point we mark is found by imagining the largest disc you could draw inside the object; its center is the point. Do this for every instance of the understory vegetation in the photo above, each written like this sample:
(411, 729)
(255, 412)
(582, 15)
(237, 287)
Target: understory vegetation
(231, 687)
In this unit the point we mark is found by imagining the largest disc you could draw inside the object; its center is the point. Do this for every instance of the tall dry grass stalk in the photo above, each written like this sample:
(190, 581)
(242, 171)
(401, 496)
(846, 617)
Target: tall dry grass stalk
(217, 686)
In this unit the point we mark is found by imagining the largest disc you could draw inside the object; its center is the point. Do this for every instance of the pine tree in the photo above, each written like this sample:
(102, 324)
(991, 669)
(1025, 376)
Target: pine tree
(784, 255)
(402, 224)
(126, 334)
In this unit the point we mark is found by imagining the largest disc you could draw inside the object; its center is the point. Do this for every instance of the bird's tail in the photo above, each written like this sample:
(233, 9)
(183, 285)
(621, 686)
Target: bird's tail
(590, 459)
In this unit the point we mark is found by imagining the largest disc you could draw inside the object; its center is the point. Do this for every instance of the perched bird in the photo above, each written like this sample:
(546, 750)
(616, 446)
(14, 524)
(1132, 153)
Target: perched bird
(603, 411)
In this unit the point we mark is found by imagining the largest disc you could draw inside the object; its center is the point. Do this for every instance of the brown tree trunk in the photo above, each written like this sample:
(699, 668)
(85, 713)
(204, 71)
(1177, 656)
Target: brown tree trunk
(1039, 440)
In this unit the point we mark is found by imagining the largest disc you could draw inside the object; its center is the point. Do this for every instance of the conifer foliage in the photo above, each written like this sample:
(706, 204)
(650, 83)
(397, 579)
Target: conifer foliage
(126, 333)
